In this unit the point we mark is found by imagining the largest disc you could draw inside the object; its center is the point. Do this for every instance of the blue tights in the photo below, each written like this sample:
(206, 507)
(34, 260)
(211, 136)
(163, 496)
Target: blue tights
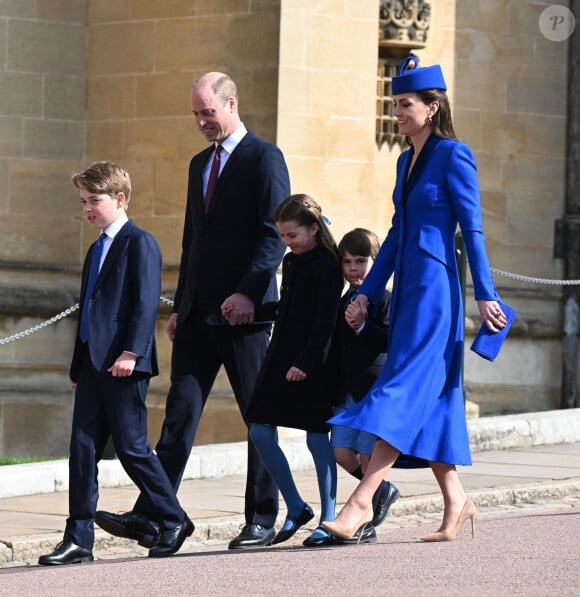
(265, 440)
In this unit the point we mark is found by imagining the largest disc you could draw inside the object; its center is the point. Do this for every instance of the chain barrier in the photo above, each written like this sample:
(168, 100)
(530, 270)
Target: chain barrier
(169, 302)
(54, 319)
(35, 328)
(535, 280)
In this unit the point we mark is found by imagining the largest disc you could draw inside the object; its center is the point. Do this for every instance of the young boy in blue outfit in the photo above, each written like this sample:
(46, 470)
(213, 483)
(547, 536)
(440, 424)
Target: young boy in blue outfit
(360, 347)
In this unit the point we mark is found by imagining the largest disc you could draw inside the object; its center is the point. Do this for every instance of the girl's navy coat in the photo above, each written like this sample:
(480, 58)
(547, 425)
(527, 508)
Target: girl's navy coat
(309, 296)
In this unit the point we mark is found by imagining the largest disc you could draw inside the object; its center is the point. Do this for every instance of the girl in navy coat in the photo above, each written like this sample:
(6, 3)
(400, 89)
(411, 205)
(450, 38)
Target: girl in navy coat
(296, 384)
(416, 405)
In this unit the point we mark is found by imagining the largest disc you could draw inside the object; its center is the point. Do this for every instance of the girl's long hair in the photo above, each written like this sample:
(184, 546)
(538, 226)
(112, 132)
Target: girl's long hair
(303, 210)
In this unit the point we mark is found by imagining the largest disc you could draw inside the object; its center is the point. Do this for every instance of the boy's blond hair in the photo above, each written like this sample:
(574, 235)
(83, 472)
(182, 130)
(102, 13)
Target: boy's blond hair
(104, 178)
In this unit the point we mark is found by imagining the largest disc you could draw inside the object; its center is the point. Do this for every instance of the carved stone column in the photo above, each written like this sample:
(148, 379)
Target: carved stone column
(403, 26)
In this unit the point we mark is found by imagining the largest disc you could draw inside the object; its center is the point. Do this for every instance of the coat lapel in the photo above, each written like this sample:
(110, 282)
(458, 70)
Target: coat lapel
(420, 165)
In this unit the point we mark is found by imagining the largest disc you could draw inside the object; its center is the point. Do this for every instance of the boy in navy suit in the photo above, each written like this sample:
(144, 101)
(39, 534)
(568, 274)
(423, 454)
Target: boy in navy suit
(360, 346)
(114, 357)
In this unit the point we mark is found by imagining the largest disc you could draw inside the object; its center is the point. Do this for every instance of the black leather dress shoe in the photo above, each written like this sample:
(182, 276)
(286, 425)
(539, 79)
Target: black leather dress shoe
(305, 516)
(388, 494)
(170, 541)
(130, 525)
(326, 540)
(66, 552)
(253, 535)
(369, 535)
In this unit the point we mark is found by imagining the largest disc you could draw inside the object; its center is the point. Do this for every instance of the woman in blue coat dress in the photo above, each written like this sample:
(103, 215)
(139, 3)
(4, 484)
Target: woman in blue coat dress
(416, 405)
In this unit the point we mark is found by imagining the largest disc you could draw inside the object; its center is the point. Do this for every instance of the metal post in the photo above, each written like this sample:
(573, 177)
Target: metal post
(570, 225)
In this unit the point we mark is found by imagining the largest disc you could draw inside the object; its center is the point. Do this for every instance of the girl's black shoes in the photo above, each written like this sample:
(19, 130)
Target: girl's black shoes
(288, 531)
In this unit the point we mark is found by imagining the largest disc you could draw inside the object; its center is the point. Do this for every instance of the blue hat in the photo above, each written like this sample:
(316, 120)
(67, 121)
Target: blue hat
(417, 79)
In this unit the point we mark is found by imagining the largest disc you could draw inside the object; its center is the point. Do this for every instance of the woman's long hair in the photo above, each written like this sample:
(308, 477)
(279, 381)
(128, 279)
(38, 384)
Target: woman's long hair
(441, 123)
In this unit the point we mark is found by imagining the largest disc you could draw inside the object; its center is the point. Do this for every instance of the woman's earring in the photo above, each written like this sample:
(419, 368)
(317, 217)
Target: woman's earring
(430, 120)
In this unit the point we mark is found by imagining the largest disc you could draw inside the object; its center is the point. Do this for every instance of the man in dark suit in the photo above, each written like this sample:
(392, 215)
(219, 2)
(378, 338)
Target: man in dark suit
(230, 253)
(113, 359)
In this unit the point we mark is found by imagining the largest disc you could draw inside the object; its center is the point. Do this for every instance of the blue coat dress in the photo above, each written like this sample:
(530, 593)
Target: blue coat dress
(416, 403)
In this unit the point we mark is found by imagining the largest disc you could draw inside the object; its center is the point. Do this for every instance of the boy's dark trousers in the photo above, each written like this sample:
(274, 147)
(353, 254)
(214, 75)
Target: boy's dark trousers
(113, 405)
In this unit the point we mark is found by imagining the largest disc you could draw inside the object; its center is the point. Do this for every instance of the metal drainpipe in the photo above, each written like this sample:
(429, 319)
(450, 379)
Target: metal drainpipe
(567, 238)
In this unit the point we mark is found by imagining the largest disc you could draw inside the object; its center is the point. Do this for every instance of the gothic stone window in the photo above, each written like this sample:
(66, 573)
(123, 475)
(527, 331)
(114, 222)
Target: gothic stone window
(387, 130)
(403, 26)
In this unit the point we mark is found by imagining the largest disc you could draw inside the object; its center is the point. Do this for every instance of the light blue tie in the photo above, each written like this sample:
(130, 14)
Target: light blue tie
(93, 273)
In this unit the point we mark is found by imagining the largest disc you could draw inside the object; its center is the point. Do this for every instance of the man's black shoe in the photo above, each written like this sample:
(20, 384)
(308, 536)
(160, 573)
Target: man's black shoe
(253, 535)
(387, 494)
(170, 541)
(130, 525)
(66, 552)
(369, 535)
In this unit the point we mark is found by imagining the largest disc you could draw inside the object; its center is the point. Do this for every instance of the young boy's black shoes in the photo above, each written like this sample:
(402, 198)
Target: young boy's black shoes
(170, 541)
(130, 525)
(386, 495)
(66, 552)
(369, 535)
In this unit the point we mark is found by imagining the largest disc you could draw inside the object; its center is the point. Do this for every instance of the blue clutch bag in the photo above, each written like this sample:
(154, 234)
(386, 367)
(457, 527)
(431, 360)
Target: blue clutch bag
(488, 344)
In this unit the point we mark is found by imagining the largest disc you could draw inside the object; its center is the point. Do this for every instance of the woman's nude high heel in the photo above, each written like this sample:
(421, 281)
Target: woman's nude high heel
(341, 530)
(468, 511)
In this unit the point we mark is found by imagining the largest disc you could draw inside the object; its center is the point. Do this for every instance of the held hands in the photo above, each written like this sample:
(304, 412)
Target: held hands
(491, 313)
(238, 309)
(170, 327)
(124, 365)
(295, 374)
(357, 312)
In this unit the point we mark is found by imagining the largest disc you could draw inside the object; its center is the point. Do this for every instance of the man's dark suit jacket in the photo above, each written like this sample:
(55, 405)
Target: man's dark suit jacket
(236, 246)
(124, 303)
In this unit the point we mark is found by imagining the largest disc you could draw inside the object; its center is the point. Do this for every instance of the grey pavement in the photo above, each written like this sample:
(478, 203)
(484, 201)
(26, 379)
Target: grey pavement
(517, 459)
(527, 550)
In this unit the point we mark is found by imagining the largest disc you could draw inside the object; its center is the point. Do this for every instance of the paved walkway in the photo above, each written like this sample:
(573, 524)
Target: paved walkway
(32, 524)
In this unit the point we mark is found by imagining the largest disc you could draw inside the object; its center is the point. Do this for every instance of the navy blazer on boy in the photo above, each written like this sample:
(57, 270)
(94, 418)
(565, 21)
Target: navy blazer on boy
(362, 355)
(121, 317)
(124, 303)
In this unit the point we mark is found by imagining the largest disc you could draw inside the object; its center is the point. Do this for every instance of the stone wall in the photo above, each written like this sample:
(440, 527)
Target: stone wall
(92, 80)
(43, 67)
(510, 106)
(327, 107)
(508, 86)
(86, 80)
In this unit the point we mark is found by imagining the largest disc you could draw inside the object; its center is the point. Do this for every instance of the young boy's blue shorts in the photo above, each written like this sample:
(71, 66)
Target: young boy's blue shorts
(348, 437)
